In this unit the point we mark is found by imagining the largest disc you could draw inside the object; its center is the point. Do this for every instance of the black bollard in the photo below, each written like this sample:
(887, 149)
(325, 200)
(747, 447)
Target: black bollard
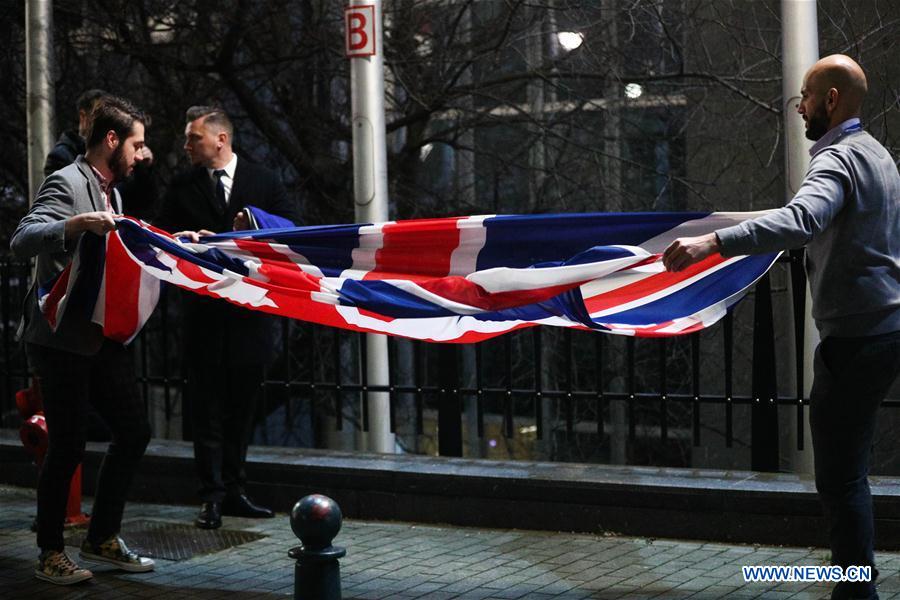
(316, 520)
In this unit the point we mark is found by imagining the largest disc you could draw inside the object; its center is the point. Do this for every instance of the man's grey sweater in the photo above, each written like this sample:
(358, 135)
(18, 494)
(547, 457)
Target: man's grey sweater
(847, 214)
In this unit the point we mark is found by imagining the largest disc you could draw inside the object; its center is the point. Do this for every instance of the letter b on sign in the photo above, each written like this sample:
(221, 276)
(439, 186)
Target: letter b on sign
(360, 30)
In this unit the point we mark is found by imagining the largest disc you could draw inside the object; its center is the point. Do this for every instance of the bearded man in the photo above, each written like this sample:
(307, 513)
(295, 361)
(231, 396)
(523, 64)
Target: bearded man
(847, 214)
(73, 360)
(138, 191)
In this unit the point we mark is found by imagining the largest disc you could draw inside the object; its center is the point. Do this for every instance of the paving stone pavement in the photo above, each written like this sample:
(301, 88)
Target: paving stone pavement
(405, 561)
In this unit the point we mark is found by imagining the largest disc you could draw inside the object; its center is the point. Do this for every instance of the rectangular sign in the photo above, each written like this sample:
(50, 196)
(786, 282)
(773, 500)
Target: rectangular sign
(360, 30)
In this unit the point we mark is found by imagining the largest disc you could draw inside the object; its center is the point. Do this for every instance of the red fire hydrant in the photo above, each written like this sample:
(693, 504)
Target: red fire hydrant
(34, 437)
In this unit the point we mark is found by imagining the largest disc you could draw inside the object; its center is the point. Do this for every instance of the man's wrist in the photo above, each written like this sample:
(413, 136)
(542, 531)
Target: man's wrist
(73, 226)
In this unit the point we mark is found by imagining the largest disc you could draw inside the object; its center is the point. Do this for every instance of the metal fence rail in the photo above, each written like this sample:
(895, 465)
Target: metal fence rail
(506, 378)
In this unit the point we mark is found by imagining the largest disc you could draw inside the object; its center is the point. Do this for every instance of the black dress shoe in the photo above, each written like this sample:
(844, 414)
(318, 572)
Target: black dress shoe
(242, 506)
(210, 516)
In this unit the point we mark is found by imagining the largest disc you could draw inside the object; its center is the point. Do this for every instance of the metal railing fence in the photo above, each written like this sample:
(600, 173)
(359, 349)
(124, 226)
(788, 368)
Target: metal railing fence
(539, 381)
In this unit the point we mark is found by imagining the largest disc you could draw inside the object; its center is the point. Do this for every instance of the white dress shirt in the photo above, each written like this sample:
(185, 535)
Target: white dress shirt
(227, 178)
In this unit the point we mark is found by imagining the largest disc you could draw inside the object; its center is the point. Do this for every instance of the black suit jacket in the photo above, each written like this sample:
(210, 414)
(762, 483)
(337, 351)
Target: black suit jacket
(215, 331)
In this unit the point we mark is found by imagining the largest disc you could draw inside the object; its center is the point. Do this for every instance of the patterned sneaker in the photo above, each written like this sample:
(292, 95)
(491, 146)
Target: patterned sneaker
(58, 568)
(114, 552)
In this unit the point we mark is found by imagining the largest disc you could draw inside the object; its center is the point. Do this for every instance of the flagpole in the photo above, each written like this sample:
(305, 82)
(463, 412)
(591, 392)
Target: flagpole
(800, 42)
(39, 88)
(370, 188)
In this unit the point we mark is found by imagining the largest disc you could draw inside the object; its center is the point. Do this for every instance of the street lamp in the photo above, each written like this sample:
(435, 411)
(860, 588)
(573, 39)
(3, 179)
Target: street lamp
(570, 40)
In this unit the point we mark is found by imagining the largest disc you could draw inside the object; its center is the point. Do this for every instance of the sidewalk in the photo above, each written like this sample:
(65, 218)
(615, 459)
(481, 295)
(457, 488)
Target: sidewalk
(403, 560)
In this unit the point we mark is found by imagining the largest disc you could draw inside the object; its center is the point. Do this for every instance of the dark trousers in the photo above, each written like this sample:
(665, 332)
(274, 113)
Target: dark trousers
(70, 383)
(852, 377)
(223, 405)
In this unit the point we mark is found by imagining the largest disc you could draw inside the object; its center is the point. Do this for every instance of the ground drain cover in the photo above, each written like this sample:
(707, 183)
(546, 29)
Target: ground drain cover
(173, 541)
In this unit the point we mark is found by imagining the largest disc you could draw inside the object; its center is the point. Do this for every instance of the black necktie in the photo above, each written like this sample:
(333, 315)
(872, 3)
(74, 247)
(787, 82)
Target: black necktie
(220, 188)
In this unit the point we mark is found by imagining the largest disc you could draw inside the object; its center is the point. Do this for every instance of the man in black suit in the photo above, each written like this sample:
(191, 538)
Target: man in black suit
(226, 346)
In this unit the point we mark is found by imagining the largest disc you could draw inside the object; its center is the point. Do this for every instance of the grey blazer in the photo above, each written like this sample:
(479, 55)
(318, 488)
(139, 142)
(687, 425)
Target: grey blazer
(41, 233)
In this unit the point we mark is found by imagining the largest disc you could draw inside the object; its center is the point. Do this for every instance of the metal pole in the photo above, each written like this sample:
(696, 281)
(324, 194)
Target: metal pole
(39, 88)
(800, 42)
(370, 191)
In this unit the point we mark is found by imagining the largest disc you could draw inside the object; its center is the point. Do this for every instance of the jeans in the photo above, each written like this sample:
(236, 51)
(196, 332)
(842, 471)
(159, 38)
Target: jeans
(851, 378)
(69, 384)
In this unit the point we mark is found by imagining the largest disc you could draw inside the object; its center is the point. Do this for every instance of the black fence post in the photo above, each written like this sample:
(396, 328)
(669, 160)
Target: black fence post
(449, 402)
(764, 407)
(798, 292)
(6, 322)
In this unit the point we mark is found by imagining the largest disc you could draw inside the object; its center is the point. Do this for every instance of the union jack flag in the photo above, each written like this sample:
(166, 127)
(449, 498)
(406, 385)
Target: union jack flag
(104, 284)
(461, 280)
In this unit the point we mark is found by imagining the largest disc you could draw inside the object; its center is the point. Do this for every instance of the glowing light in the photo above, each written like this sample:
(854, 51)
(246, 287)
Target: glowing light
(633, 90)
(570, 40)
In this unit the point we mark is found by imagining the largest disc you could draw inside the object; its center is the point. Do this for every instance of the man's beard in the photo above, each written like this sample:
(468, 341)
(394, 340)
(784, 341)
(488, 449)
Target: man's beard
(817, 123)
(117, 165)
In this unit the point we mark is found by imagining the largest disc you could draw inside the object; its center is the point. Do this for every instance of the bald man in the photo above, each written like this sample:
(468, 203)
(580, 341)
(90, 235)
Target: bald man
(847, 214)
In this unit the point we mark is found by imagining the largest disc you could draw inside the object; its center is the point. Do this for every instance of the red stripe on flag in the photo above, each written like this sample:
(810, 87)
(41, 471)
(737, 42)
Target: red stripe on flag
(278, 269)
(123, 283)
(193, 272)
(374, 315)
(262, 250)
(650, 285)
(459, 289)
(422, 247)
(289, 279)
